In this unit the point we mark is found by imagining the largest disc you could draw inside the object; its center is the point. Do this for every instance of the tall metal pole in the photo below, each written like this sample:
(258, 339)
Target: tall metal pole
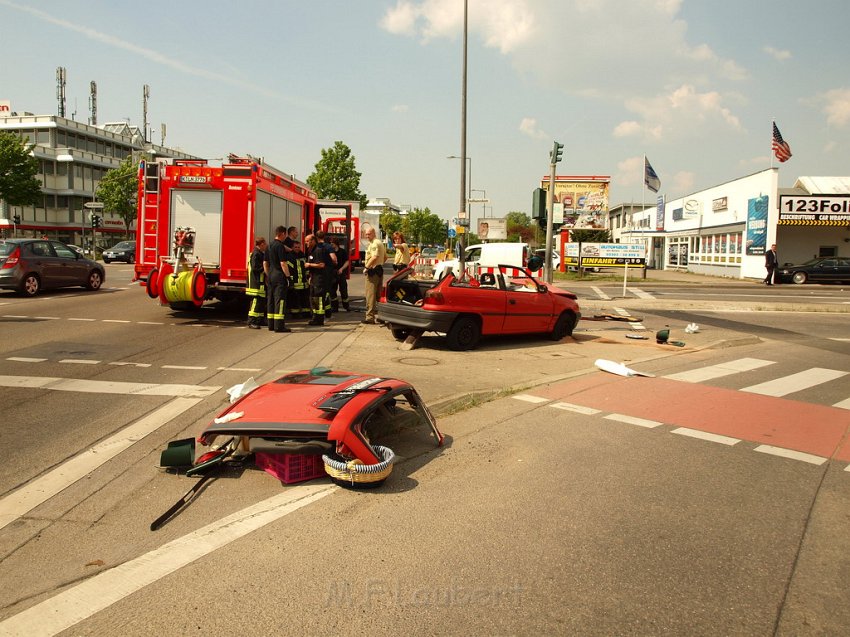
(550, 207)
(464, 198)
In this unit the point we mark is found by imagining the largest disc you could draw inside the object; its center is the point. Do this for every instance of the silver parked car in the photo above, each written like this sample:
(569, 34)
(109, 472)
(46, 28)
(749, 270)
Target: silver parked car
(30, 265)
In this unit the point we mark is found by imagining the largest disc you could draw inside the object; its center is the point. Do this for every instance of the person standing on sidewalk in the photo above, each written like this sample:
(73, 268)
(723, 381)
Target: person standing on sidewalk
(373, 268)
(277, 274)
(770, 264)
(256, 289)
(340, 286)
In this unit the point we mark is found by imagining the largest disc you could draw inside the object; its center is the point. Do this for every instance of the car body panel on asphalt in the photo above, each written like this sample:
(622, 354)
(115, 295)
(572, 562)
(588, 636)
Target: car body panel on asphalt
(823, 269)
(506, 301)
(31, 265)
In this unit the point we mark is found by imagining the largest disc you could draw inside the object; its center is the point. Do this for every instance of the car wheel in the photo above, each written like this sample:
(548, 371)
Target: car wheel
(563, 326)
(31, 285)
(131, 259)
(95, 280)
(107, 261)
(799, 277)
(464, 334)
(400, 333)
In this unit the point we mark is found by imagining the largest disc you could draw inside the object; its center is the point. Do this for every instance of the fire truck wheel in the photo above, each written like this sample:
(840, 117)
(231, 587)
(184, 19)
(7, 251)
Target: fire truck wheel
(152, 286)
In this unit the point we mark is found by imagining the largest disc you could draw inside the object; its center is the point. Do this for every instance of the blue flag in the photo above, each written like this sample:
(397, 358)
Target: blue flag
(650, 179)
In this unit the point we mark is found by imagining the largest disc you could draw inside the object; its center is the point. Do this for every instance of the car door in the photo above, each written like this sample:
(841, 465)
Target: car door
(75, 271)
(844, 269)
(528, 309)
(486, 301)
(41, 259)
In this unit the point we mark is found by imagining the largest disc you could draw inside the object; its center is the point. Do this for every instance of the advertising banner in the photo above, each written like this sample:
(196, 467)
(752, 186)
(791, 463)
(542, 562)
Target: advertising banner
(584, 199)
(611, 255)
(491, 229)
(757, 225)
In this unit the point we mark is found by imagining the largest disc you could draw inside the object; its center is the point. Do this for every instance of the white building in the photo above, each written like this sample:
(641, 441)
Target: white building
(72, 159)
(724, 230)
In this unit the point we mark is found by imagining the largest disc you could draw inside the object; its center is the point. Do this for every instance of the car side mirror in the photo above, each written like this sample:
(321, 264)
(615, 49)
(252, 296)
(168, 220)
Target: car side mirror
(542, 288)
(535, 263)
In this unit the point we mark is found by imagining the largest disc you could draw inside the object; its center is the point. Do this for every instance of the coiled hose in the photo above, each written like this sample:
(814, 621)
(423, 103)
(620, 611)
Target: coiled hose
(356, 471)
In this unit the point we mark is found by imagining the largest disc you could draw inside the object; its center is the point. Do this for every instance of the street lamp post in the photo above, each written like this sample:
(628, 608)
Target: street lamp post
(468, 194)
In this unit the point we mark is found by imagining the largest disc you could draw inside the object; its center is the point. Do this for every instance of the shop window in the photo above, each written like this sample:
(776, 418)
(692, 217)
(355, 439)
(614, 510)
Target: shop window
(827, 251)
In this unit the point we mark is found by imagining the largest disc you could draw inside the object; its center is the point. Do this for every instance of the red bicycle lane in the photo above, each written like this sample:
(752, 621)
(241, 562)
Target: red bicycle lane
(809, 428)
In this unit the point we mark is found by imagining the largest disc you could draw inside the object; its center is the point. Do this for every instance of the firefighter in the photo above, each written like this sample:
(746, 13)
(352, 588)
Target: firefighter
(298, 300)
(277, 275)
(256, 289)
(340, 287)
(318, 285)
(329, 274)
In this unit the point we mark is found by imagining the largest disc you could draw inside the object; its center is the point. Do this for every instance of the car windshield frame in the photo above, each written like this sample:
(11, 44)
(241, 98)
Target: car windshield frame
(124, 245)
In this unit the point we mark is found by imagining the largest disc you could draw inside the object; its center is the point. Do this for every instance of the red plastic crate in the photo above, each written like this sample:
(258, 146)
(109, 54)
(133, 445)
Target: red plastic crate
(290, 468)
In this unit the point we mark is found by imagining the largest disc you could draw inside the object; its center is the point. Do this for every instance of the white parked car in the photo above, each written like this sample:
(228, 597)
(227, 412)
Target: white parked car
(488, 255)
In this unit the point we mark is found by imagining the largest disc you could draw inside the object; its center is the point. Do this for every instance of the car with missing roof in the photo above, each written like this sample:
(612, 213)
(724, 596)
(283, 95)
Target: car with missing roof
(499, 301)
(822, 270)
(29, 266)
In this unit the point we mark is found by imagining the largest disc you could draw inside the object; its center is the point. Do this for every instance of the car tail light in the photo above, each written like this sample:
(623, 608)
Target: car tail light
(13, 259)
(434, 296)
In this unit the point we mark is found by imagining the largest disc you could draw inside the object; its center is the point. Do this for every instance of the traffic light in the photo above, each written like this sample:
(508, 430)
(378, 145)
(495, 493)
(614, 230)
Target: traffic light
(557, 152)
(95, 221)
(16, 219)
(538, 206)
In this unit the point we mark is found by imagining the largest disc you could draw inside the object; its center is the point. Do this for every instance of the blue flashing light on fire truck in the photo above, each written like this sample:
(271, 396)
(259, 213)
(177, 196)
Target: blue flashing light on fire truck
(197, 223)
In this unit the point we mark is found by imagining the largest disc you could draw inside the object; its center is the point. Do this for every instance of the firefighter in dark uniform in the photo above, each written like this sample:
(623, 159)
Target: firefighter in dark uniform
(329, 258)
(277, 275)
(256, 290)
(318, 281)
(340, 286)
(298, 302)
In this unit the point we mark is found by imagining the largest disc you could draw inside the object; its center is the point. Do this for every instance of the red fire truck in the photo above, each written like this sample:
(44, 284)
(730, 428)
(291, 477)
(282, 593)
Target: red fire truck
(197, 224)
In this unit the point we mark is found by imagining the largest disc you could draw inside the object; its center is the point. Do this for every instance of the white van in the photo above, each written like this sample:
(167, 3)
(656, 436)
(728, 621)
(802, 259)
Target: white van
(487, 255)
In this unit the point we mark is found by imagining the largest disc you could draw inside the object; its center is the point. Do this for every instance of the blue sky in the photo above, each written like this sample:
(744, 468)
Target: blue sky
(692, 84)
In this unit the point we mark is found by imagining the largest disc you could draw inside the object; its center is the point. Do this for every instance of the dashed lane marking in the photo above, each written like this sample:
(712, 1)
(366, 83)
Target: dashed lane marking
(704, 435)
(791, 454)
(530, 399)
(635, 326)
(129, 364)
(795, 382)
(844, 404)
(186, 367)
(632, 420)
(22, 359)
(79, 361)
(82, 319)
(239, 369)
(579, 409)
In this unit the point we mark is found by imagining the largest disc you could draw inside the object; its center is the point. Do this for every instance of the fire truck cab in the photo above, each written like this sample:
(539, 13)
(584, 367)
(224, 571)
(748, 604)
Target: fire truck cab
(197, 225)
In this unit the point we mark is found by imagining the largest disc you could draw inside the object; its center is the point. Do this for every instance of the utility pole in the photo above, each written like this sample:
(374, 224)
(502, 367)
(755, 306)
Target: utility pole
(464, 198)
(554, 158)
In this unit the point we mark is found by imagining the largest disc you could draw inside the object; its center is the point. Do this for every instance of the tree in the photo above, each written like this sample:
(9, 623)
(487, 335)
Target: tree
(590, 235)
(118, 190)
(19, 185)
(335, 176)
(390, 222)
(519, 227)
(423, 226)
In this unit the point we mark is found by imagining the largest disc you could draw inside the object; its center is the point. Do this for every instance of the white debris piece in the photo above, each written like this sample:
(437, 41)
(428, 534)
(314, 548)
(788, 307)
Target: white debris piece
(243, 389)
(618, 368)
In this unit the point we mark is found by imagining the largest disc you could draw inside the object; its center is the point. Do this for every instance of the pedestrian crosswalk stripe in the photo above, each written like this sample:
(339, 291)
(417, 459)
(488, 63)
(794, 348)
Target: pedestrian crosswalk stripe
(530, 399)
(844, 404)
(641, 294)
(717, 371)
(600, 293)
(795, 382)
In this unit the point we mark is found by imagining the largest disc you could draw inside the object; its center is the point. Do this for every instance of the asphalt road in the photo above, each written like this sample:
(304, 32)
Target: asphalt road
(566, 500)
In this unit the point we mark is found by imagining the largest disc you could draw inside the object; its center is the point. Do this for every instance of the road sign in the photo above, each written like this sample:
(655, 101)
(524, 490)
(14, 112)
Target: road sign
(452, 233)
(478, 200)
(93, 205)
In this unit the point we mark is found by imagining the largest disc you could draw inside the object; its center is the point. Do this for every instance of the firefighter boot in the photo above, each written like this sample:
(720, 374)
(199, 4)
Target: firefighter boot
(346, 306)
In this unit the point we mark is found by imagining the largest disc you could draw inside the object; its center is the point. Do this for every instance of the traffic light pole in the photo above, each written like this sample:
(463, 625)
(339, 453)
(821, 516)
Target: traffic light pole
(554, 157)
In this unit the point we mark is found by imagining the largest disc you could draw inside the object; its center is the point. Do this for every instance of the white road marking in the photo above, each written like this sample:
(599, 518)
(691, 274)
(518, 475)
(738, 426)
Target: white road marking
(529, 398)
(641, 294)
(579, 409)
(239, 369)
(844, 404)
(716, 371)
(704, 435)
(631, 420)
(191, 367)
(789, 453)
(128, 364)
(46, 318)
(115, 321)
(600, 293)
(108, 387)
(76, 604)
(150, 323)
(82, 319)
(15, 316)
(79, 361)
(22, 359)
(45, 487)
(795, 382)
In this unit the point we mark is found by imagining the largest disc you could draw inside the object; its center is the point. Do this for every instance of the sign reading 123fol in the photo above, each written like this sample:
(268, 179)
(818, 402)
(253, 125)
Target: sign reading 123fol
(814, 210)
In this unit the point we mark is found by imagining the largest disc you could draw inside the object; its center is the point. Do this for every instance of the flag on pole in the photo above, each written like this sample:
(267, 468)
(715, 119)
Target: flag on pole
(650, 179)
(780, 147)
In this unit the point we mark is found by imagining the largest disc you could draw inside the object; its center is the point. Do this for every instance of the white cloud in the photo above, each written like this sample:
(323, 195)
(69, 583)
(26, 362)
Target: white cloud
(682, 181)
(400, 108)
(528, 126)
(778, 54)
(836, 106)
(502, 24)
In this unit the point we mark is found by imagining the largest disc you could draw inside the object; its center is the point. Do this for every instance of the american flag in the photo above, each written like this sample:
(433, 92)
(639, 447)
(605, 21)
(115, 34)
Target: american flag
(780, 147)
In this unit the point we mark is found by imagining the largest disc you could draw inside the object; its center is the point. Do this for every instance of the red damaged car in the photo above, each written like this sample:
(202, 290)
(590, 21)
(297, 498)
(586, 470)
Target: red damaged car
(506, 301)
